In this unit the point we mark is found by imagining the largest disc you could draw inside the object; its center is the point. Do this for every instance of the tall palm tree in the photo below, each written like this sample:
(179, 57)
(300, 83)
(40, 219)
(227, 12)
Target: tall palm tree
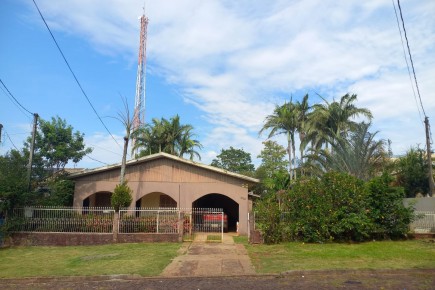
(330, 120)
(283, 121)
(187, 144)
(302, 109)
(170, 136)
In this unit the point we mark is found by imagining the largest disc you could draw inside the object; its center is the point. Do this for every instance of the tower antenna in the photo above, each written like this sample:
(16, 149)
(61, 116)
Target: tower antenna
(139, 101)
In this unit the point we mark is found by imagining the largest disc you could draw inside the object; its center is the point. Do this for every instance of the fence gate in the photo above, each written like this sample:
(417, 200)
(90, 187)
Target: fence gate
(204, 224)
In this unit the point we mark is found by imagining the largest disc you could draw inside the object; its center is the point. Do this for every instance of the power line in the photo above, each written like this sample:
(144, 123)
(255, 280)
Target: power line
(410, 58)
(10, 94)
(72, 72)
(406, 60)
(96, 160)
(108, 150)
(11, 140)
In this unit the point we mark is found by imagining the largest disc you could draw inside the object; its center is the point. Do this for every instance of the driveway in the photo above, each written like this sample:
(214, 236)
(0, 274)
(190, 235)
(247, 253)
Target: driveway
(200, 258)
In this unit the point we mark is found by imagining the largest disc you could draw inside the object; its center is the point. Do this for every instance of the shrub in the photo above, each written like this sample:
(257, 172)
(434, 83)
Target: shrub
(390, 217)
(121, 196)
(268, 217)
(333, 208)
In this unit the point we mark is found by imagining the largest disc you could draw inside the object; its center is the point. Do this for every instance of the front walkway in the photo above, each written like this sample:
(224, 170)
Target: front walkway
(200, 258)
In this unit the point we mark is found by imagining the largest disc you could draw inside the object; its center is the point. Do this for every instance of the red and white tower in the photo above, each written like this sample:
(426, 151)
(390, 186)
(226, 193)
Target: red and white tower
(139, 101)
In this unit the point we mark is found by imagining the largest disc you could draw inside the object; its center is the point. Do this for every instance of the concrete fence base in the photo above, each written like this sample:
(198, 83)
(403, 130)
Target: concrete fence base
(81, 239)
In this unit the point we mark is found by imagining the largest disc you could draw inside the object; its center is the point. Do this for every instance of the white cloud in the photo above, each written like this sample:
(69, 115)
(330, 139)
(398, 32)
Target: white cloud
(231, 60)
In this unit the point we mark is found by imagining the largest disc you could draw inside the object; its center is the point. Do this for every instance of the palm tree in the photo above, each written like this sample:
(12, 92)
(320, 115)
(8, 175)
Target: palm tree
(169, 136)
(187, 144)
(283, 121)
(334, 119)
(302, 109)
(358, 154)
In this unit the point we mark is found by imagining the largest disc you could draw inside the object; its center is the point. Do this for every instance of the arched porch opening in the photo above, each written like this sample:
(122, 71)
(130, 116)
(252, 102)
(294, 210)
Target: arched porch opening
(216, 200)
(156, 199)
(98, 199)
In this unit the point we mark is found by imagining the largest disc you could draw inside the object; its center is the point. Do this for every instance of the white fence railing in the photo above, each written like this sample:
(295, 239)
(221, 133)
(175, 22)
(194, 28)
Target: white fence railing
(66, 219)
(424, 222)
(160, 221)
(101, 220)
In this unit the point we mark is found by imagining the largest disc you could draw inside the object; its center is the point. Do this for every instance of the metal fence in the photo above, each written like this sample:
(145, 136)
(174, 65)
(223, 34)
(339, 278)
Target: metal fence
(148, 220)
(204, 223)
(100, 220)
(424, 222)
(67, 219)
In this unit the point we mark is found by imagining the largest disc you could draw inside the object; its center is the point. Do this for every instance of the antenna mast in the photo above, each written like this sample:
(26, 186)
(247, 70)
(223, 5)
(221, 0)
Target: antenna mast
(139, 101)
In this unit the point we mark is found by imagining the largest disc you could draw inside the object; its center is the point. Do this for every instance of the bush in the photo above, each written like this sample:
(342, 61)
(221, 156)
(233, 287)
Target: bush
(390, 217)
(121, 196)
(333, 208)
(337, 207)
(267, 215)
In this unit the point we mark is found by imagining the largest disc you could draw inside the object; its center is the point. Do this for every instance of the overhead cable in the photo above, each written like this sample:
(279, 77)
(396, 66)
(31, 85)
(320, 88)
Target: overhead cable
(15, 99)
(410, 58)
(406, 60)
(72, 72)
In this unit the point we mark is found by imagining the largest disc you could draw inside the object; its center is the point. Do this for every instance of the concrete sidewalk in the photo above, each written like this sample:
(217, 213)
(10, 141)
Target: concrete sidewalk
(200, 258)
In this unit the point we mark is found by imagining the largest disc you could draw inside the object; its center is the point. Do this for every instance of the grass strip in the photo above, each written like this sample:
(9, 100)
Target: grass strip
(145, 259)
(371, 255)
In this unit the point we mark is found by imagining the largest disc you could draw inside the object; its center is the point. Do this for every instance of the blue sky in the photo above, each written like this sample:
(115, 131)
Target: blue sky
(221, 65)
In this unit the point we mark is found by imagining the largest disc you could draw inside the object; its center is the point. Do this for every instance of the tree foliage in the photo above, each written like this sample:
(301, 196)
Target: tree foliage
(56, 144)
(412, 172)
(283, 121)
(234, 160)
(390, 217)
(358, 154)
(336, 207)
(169, 136)
(121, 196)
(13, 184)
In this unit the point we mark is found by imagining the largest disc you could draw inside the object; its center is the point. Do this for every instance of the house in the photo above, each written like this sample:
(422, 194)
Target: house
(164, 180)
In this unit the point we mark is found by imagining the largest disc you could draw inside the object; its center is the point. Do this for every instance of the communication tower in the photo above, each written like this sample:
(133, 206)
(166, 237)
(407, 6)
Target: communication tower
(139, 101)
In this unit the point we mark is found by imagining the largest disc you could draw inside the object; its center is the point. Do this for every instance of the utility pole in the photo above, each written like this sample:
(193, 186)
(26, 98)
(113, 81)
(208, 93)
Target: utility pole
(429, 158)
(1, 127)
(32, 149)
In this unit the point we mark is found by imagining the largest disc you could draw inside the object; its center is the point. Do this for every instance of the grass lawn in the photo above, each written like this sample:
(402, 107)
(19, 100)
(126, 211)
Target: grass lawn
(370, 255)
(146, 259)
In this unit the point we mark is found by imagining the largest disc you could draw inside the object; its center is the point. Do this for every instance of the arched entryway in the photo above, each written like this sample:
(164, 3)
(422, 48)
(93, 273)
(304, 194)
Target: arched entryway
(229, 206)
(98, 199)
(156, 199)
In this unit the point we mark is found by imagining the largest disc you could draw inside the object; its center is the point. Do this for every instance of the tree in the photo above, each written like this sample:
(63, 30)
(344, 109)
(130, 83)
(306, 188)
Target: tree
(187, 144)
(283, 120)
(169, 136)
(272, 168)
(272, 157)
(56, 144)
(359, 154)
(234, 160)
(13, 184)
(412, 172)
(127, 121)
(330, 120)
(121, 196)
(302, 110)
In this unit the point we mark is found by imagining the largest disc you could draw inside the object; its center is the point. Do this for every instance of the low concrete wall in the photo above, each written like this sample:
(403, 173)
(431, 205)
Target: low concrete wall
(148, 238)
(421, 203)
(79, 239)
